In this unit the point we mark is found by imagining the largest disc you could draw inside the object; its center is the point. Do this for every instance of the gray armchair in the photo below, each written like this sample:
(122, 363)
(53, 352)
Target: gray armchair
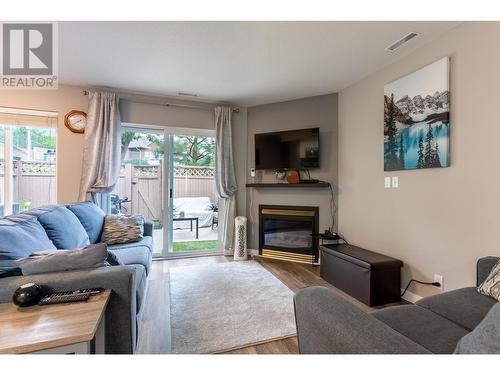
(327, 323)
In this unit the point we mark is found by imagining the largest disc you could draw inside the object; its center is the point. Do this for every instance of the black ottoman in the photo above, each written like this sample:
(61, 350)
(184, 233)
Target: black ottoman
(370, 277)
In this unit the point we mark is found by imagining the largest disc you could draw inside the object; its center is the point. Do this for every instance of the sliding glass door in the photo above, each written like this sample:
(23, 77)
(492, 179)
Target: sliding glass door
(193, 202)
(168, 176)
(140, 187)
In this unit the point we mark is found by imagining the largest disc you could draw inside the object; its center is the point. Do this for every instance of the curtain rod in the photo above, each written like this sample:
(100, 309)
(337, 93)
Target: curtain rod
(167, 104)
(27, 112)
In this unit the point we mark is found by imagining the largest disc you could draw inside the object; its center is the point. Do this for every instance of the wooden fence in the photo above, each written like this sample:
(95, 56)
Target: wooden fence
(143, 186)
(34, 183)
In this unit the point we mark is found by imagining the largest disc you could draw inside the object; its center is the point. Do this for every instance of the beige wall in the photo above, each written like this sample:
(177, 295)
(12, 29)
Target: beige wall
(438, 220)
(70, 145)
(157, 114)
(318, 111)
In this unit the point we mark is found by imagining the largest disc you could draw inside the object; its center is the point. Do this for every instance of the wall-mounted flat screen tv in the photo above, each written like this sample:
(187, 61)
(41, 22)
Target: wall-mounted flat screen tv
(292, 149)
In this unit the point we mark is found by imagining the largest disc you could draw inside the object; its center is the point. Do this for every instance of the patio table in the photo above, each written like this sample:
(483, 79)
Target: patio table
(190, 219)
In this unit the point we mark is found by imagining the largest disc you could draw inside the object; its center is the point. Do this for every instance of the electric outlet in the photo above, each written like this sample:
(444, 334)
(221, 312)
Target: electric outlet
(439, 279)
(395, 182)
(387, 182)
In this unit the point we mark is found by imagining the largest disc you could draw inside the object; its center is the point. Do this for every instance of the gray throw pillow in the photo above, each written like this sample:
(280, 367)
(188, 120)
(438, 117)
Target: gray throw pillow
(122, 229)
(491, 285)
(485, 338)
(92, 256)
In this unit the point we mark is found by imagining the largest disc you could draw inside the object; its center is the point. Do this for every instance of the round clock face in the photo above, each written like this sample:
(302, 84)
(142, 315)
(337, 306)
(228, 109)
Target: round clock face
(76, 121)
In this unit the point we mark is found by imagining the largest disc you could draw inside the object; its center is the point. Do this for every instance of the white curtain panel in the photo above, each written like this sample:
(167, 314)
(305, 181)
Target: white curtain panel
(102, 147)
(225, 179)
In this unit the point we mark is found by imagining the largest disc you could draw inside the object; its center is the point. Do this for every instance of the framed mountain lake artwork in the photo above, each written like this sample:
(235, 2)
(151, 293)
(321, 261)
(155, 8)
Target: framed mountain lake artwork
(416, 119)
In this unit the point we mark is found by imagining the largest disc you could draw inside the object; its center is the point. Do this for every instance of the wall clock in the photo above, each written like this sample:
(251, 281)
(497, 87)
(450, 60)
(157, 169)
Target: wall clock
(76, 121)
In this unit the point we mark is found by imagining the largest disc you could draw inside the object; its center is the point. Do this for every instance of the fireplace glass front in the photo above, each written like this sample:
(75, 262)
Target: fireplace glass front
(287, 233)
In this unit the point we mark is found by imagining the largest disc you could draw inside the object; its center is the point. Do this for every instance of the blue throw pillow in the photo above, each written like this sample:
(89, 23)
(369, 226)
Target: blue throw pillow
(91, 217)
(20, 236)
(62, 227)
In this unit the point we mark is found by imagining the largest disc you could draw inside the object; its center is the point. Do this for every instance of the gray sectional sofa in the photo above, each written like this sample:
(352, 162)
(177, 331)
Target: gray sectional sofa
(75, 226)
(327, 323)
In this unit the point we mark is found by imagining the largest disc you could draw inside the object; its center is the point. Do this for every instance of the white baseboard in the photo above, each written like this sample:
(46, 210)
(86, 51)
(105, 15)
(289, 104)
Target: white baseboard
(411, 297)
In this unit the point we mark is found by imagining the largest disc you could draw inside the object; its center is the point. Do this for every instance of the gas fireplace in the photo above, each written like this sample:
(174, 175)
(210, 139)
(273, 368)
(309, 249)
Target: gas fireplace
(286, 233)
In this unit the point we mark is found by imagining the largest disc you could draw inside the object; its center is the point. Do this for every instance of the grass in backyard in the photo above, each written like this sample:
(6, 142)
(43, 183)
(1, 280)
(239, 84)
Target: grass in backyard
(206, 245)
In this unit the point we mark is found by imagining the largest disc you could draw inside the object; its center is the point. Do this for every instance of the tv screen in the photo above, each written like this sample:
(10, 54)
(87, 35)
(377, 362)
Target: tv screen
(292, 149)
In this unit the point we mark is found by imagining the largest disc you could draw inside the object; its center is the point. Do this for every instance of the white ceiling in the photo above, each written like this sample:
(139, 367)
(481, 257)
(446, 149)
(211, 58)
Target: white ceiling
(246, 63)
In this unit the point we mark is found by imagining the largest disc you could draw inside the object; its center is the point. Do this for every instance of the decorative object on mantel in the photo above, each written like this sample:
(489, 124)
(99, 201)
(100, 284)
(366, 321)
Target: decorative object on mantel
(280, 176)
(416, 119)
(76, 121)
(294, 177)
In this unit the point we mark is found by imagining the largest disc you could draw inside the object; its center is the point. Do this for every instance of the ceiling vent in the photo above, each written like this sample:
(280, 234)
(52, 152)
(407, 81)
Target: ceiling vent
(394, 46)
(187, 94)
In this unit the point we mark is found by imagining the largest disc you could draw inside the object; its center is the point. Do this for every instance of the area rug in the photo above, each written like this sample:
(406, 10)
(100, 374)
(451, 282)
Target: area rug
(223, 306)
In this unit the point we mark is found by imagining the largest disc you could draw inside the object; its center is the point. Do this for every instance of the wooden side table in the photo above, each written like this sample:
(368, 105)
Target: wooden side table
(55, 329)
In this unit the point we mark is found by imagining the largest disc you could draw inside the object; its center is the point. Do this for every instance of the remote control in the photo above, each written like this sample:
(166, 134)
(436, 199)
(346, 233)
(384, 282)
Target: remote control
(89, 291)
(70, 296)
(63, 297)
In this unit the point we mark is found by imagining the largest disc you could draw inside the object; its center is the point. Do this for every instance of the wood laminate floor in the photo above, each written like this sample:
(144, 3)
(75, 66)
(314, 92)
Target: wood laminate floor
(154, 337)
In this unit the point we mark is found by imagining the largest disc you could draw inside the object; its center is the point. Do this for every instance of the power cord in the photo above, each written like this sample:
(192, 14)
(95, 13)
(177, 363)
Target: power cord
(436, 284)
(333, 208)
(343, 239)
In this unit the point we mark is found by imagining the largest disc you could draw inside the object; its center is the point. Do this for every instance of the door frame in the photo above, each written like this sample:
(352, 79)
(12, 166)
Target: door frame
(169, 192)
(167, 182)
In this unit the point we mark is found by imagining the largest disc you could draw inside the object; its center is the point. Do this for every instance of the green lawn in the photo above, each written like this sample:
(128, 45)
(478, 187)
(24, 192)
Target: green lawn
(208, 245)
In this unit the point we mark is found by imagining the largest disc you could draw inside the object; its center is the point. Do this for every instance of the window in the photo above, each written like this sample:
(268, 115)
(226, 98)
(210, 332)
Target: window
(27, 159)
